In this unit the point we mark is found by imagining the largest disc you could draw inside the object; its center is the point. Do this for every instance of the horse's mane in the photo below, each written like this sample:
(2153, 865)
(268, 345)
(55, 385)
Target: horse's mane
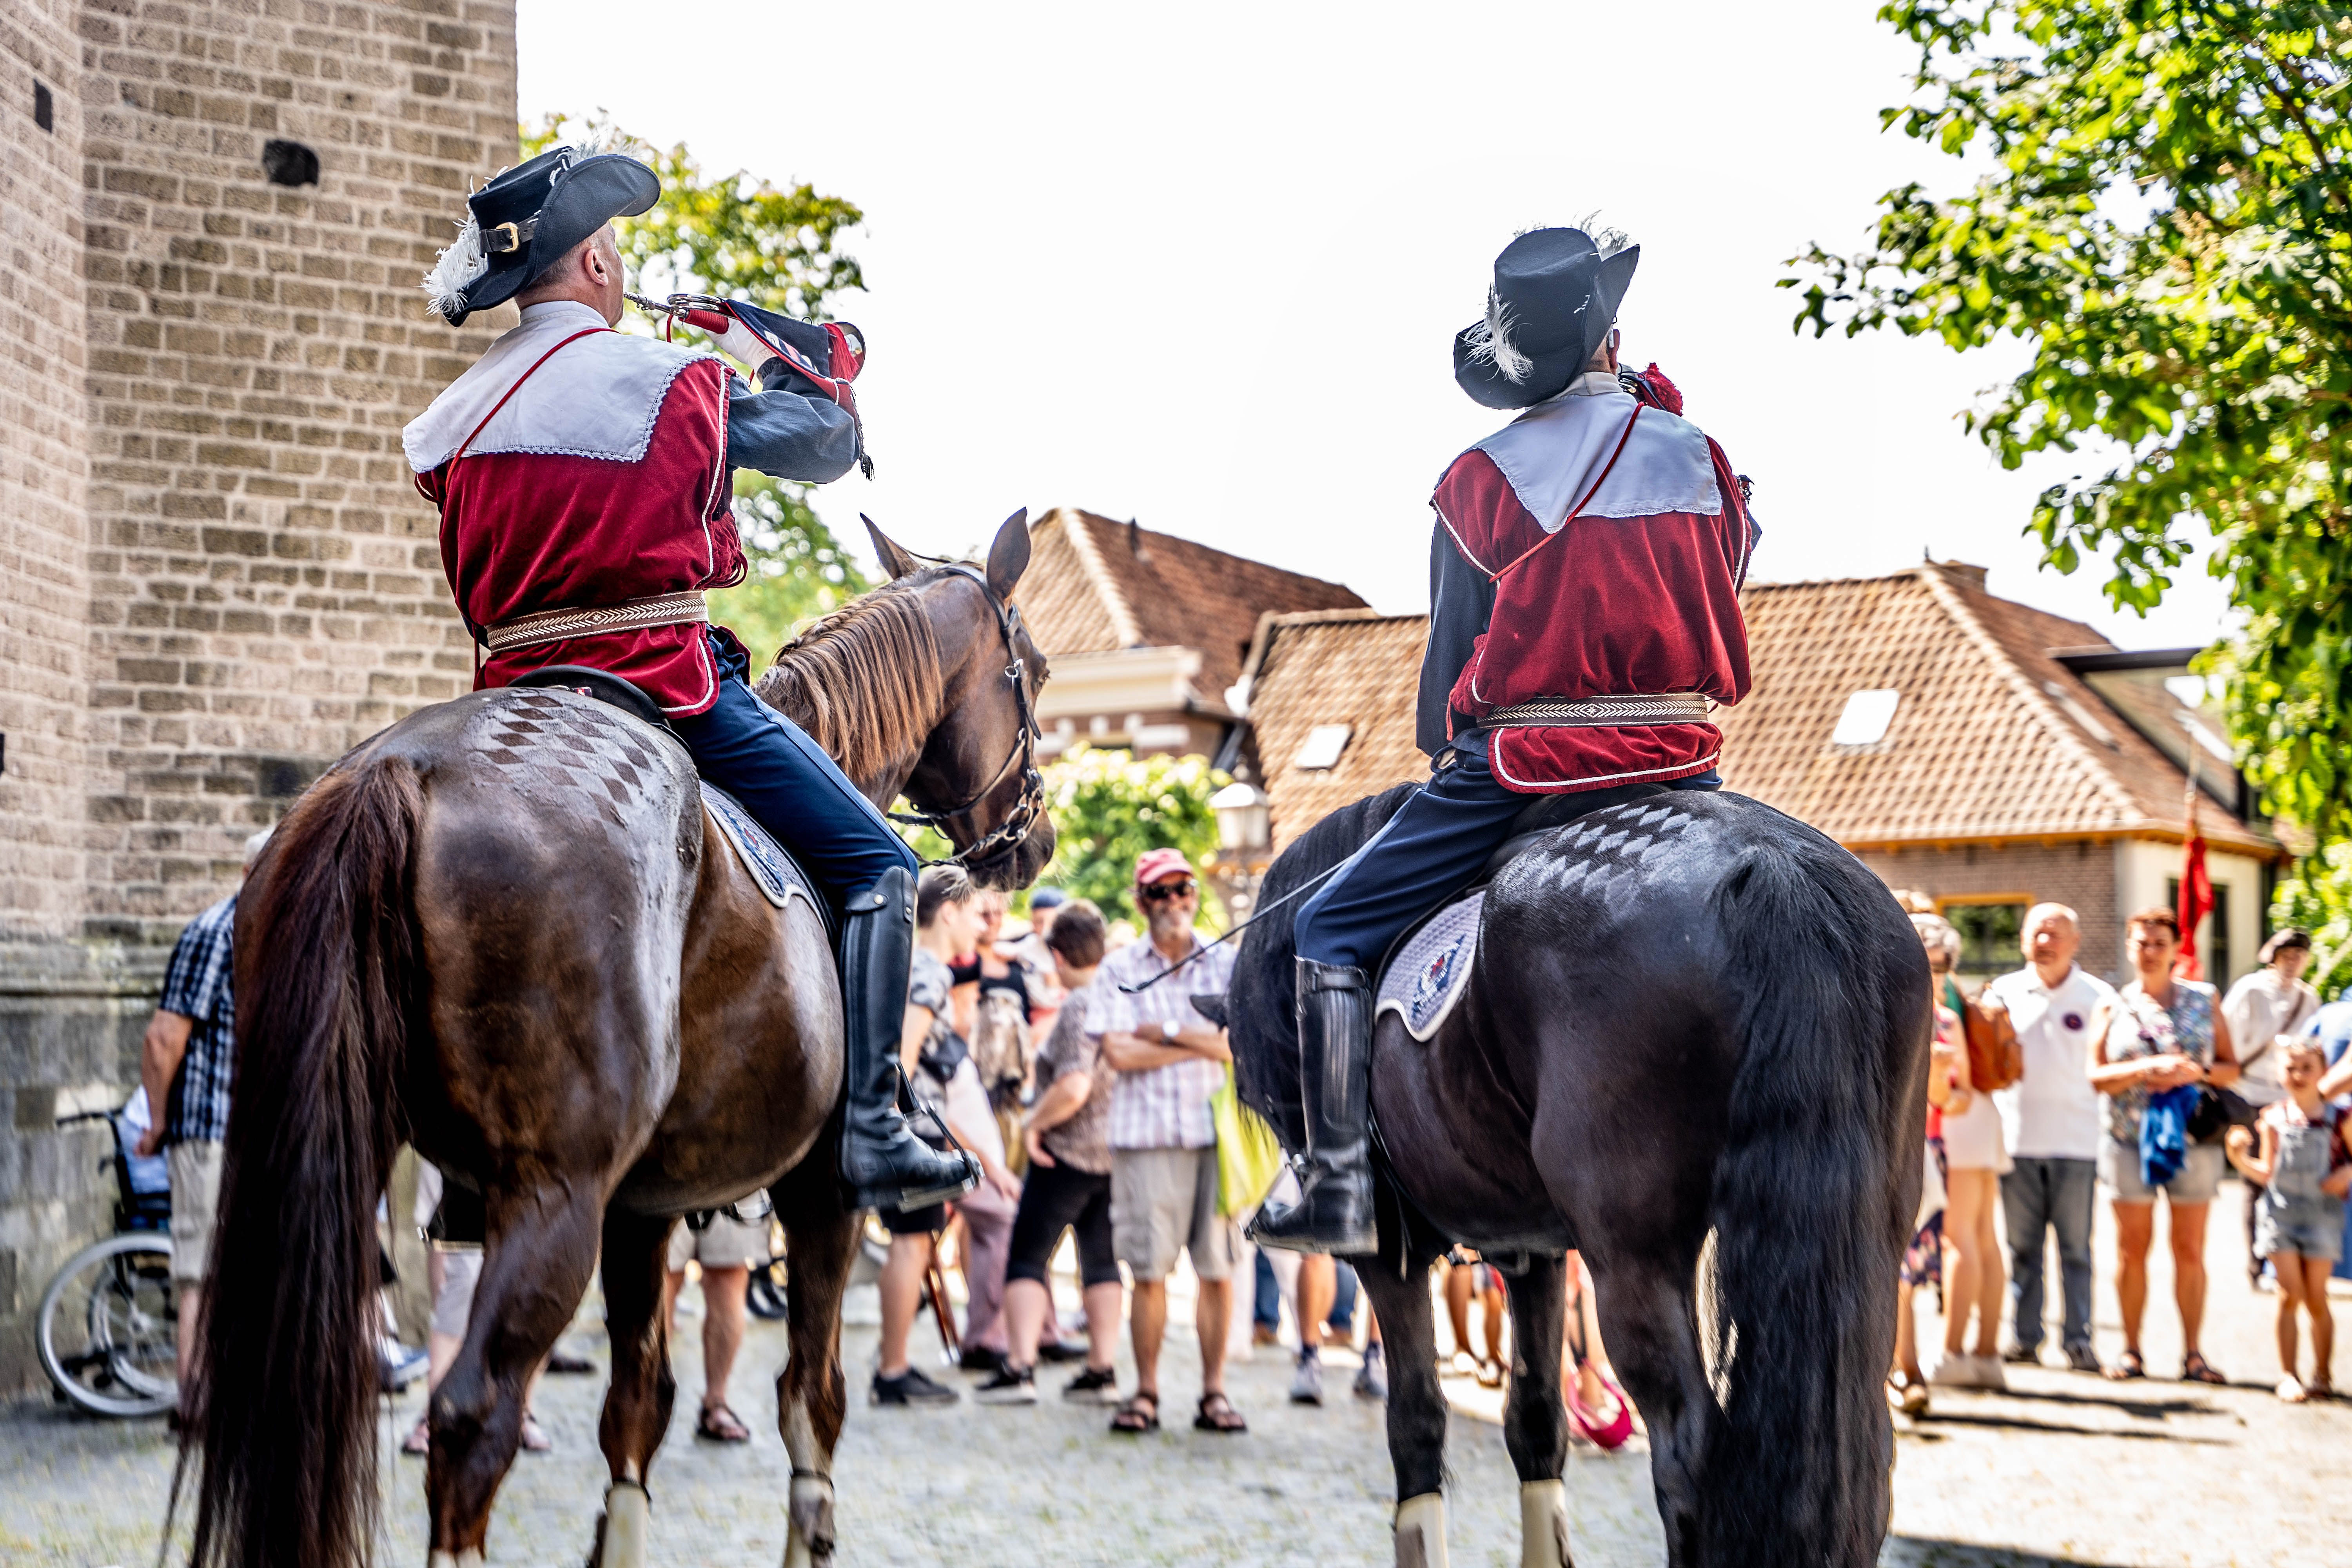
(864, 681)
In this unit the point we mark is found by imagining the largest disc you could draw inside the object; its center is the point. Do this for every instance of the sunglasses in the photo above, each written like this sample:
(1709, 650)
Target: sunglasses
(1161, 892)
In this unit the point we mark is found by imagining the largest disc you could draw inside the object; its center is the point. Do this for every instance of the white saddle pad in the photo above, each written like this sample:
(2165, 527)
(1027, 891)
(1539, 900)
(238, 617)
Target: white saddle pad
(1427, 978)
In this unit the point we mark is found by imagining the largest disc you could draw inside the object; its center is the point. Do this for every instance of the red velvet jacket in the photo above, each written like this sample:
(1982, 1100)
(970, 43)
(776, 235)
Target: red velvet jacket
(1607, 605)
(577, 468)
(525, 532)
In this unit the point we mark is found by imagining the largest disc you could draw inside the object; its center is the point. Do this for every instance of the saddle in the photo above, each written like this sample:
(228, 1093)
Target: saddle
(1421, 977)
(779, 877)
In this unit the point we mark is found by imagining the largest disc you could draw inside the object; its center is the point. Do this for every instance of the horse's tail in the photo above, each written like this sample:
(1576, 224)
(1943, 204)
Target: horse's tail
(284, 1384)
(1811, 1206)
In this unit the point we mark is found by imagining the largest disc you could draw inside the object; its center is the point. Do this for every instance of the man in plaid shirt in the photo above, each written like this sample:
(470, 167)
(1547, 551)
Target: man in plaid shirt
(1163, 1145)
(184, 1064)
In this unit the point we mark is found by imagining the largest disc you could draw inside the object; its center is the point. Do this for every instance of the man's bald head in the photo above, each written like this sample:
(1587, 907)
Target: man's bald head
(589, 272)
(2052, 935)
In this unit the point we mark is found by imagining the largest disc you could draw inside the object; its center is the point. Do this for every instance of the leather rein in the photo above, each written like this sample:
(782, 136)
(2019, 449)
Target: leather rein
(1019, 823)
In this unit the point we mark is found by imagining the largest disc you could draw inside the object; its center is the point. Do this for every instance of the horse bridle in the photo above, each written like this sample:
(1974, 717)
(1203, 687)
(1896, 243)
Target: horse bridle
(1022, 820)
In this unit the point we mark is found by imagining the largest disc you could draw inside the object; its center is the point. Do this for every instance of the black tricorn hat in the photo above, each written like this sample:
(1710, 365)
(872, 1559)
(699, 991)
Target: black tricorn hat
(1554, 298)
(528, 219)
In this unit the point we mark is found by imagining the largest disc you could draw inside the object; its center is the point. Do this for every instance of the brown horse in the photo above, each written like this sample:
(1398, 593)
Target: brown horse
(504, 931)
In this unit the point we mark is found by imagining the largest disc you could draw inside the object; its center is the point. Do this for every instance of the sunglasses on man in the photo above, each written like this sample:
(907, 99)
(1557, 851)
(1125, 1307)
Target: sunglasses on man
(1161, 892)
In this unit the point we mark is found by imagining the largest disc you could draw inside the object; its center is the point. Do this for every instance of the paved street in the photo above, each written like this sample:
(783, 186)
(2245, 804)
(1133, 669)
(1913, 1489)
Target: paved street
(2063, 1469)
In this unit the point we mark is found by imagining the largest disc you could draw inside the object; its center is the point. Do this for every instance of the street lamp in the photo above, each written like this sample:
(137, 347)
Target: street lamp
(1245, 839)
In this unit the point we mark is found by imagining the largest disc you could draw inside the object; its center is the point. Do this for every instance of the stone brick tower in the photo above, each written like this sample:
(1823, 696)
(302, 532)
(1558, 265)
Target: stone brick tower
(217, 576)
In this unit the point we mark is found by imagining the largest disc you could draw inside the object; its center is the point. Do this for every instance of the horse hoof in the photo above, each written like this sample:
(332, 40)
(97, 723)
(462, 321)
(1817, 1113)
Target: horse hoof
(1421, 1532)
(1543, 1524)
(809, 1542)
(622, 1534)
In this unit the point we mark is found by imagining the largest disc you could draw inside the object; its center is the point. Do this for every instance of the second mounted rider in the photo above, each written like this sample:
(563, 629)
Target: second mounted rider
(584, 480)
(1584, 580)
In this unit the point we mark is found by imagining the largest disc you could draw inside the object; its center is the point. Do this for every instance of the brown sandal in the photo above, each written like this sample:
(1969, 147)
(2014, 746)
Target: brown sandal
(721, 1425)
(1140, 1415)
(2195, 1368)
(1224, 1418)
(418, 1444)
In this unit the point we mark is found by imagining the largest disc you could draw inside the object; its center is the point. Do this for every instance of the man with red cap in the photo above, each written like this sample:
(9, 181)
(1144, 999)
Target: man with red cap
(1584, 620)
(1163, 1144)
(584, 479)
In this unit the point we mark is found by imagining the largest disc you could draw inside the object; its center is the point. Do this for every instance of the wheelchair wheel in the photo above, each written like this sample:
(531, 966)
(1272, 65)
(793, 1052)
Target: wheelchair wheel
(107, 1332)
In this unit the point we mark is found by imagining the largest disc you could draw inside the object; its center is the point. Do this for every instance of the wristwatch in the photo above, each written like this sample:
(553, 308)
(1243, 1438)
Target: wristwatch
(1168, 1029)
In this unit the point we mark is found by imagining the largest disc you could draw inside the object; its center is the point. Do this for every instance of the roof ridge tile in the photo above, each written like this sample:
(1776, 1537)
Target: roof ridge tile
(2033, 698)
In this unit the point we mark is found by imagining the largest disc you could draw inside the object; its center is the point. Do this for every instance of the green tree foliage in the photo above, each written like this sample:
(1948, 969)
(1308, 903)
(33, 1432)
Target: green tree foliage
(741, 237)
(2318, 898)
(2165, 216)
(735, 236)
(1110, 806)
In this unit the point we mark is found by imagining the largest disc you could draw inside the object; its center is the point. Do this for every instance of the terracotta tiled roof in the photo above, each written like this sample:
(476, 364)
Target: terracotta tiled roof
(1357, 667)
(1094, 586)
(1991, 737)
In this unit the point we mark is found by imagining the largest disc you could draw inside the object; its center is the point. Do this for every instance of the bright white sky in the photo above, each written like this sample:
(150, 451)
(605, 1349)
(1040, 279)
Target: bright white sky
(1203, 266)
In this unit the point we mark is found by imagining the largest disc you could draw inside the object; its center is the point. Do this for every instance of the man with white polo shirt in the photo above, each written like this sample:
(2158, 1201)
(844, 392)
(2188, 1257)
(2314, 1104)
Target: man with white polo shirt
(2050, 1122)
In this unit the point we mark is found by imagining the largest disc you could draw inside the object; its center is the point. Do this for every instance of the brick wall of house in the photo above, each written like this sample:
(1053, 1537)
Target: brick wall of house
(2079, 874)
(218, 575)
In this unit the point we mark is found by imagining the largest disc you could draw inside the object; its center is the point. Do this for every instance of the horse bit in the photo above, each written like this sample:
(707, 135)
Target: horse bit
(1014, 830)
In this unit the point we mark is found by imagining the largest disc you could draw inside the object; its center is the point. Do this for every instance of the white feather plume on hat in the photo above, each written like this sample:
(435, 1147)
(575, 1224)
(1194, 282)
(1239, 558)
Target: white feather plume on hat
(459, 268)
(1490, 340)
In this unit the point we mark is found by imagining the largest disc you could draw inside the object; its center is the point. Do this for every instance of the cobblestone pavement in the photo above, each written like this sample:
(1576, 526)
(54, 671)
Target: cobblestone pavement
(2063, 1469)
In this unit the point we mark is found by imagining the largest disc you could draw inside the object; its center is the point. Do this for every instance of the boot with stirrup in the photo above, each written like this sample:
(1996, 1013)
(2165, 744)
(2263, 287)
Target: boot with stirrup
(1334, 1213)
(883, 1164)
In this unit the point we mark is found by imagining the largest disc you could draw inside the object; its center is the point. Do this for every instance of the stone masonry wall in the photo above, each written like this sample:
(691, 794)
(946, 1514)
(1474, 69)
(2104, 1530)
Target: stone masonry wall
(44, 468)
(218, 576)
(266, 583)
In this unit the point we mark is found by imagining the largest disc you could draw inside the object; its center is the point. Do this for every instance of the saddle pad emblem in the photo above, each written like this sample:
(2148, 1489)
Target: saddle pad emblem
(1429, 971)
(779, 877)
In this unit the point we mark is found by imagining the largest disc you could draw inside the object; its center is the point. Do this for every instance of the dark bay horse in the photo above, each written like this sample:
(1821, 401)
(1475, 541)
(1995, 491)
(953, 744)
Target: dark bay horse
(1693, 1045)
(504, 931)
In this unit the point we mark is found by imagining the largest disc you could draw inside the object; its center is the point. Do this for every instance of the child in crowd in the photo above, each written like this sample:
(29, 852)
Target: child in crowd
(2306, 1169)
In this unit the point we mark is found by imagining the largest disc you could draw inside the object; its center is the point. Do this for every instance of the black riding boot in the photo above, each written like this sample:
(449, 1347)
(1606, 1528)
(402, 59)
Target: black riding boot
(1335, 1074)
(882, 1161)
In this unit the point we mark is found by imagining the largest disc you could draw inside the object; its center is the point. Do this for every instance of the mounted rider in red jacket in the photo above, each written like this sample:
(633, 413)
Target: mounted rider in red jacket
(1584, 620)
(585, 478)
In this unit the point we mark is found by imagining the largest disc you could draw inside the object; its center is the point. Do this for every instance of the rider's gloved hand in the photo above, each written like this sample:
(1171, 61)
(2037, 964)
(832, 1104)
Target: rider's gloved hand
(742, 344)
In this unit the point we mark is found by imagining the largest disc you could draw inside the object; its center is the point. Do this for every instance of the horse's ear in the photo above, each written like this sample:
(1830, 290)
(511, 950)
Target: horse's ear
(1212, 1007)
(1009, 556)
(894, 561)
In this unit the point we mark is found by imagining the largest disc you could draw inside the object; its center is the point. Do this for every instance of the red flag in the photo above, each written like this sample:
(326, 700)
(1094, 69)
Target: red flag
(2195, 900)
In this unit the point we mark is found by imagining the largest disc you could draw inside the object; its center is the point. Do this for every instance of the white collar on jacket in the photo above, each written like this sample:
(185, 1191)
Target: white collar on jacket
(598, 398)
(1551, 453)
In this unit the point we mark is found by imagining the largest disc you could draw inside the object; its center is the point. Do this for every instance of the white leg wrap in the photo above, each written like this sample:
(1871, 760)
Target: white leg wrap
(809, 1542)
(1543, 1524)
(469, 1558)
(1421, 1532)
(628, 1526)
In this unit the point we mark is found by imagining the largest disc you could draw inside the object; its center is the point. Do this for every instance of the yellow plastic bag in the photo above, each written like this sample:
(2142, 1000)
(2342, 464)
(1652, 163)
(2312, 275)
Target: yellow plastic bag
(1249, 1156)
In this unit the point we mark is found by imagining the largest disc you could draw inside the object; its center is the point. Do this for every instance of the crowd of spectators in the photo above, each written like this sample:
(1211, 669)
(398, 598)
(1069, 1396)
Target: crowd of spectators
(2144, 1092)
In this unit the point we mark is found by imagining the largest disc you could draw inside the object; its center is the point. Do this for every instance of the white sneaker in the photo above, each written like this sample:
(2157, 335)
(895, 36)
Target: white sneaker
(1990, 1374)
(1955, 1370)
(1306, 1386)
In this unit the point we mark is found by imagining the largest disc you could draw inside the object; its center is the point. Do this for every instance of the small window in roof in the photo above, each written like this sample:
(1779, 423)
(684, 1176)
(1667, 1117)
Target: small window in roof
(1324, 743)
(1867, 714)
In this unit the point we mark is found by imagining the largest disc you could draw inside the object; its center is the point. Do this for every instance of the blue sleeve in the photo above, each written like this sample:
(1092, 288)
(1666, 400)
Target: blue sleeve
(1461, 606)
(785, 435)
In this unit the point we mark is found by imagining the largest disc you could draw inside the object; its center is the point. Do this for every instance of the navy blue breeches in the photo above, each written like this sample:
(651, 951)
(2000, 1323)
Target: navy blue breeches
(784, 779)
(1435, 844)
